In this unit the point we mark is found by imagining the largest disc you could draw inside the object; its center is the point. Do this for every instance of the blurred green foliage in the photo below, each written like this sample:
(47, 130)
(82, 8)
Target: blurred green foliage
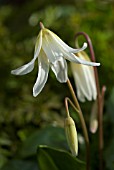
(21, 115)
(50, 158)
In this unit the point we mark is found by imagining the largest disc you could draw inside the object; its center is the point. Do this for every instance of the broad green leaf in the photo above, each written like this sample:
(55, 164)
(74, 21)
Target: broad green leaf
(52, 136)
(3, 160)
(56, 159)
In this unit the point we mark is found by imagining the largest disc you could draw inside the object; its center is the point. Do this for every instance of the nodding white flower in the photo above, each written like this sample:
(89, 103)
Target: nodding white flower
(84, 79)
(51, 51)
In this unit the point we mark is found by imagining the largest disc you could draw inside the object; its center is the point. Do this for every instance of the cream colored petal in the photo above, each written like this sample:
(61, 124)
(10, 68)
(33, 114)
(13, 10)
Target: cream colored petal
(51, 48)
(27, 68)
(54, 50)
(43, 71)
(38, 45)
(92, 83)
(80, 94)
(60, 69)
(91, 76)
(73, 58)
(81, 78)
(64, 45)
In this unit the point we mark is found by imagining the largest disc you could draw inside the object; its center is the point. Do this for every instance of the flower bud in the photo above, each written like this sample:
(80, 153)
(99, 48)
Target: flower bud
(71, 135)
(93, 118)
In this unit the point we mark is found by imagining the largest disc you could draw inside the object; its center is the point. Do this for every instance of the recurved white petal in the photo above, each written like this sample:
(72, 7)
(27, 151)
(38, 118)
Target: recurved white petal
(54, 50)
(27, 68)
(64, 45)
(62, 50)
(73, 58)
(43, 71)
(59, 67)
(51, 48)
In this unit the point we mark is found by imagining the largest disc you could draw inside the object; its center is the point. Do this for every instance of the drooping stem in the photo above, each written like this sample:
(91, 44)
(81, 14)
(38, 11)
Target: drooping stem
(100, 100)
(66, 106)
(82, 123)
(71, 103)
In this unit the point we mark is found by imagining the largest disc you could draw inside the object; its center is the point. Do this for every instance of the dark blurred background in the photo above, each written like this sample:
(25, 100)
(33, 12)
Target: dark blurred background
(26, 121)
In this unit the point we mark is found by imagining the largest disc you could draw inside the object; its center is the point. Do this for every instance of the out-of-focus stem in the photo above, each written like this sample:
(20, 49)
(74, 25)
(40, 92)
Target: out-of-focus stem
(82, 123)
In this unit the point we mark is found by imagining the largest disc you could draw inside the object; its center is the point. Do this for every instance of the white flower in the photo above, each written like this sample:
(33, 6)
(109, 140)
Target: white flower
(51, 51)
(84, 79)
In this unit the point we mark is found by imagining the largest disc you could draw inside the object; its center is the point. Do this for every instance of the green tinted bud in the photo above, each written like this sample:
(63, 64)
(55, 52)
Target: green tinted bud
(71, 135)
(93, 118)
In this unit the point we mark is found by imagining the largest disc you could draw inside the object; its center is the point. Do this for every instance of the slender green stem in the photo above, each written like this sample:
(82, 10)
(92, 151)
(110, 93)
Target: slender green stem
(66, 105)
(82, 123)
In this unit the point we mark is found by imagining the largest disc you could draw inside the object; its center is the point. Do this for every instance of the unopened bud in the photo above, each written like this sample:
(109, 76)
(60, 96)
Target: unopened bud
(71, 135)
(93, 118)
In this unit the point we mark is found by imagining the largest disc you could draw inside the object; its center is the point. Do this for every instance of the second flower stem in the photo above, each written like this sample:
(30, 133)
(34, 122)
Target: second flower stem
(82, 123)
(100, 99)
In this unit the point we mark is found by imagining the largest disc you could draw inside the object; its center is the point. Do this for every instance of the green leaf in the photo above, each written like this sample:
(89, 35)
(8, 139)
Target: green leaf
(19, 164)
(3, 160)
(56, 159)
(52, 136)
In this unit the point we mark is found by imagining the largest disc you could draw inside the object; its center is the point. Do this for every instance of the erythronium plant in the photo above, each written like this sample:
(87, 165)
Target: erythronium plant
(87, 84)
(51, 51)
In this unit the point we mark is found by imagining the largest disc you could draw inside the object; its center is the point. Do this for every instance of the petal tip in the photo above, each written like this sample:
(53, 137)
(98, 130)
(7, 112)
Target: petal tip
(34, 94)
(13, 72)
(85, 45)
(97, 64)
